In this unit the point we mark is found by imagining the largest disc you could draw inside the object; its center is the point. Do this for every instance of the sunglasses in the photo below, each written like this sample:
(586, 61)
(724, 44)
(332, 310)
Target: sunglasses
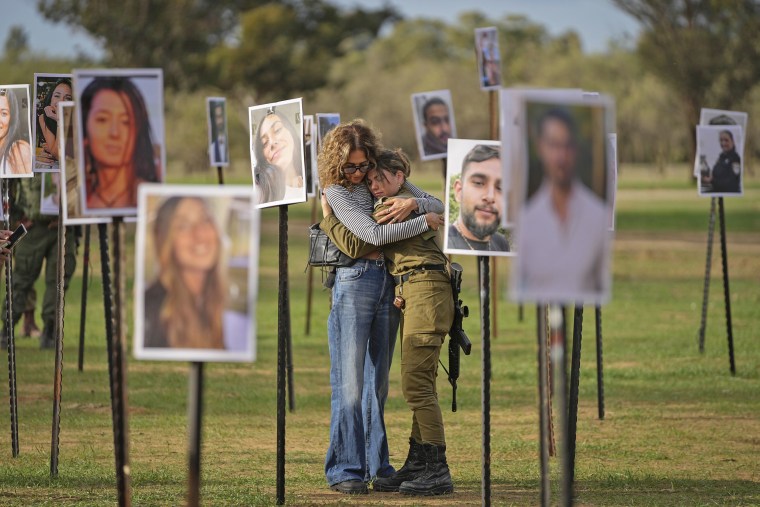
(364, 167)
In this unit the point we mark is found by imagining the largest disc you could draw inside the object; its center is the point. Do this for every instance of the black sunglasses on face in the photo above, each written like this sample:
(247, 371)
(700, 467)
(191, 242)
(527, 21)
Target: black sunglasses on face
(364, 167)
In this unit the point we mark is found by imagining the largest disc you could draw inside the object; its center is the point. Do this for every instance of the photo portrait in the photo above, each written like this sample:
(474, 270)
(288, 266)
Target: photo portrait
(195, 275)
(720, 165)
(71, 197)
(310, 164)
(613, 164)
(325, 123)
(563, 236)
(50, 193)
(15, 132)
(277, 156)
(474, 200)
(433, 123)
(720, 117)
(49, 90)
(489, 58)
(120, 137)
(218, 147)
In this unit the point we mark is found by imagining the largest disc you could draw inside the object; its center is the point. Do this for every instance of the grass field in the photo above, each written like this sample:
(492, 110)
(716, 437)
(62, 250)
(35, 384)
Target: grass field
(679, 429)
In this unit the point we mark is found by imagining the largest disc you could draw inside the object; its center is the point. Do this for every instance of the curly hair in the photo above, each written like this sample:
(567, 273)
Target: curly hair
(338, 144)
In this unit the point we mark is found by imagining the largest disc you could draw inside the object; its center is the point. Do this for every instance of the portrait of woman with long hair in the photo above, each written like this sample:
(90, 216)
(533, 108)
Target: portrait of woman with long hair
(277, 152)
(56, 89)
(120, 150)
(15, 150)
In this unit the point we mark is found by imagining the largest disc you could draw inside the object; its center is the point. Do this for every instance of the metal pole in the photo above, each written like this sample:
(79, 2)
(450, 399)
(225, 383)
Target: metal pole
(556, 323)
(310, 277)
(282, 330)
(220, 174)
(520, 312)
(708, 265)
(195, 419)
(113, 345)
(9, 325)
(485, 333)
(599, 366)
(575, 375)
(726, 291)
(85, 276)
(543, 406)
(58, 330)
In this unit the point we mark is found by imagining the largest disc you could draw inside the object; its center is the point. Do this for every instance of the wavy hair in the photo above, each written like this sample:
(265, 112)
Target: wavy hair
(269, 177)
(185, 323)
(142, 161)
(15, 132)
(338, 144)
(50, 123)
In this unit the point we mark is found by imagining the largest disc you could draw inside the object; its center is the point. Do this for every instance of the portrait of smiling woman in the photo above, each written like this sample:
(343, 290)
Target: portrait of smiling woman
(120, 148)
(277, 153)
(15, 150)
(194, 268)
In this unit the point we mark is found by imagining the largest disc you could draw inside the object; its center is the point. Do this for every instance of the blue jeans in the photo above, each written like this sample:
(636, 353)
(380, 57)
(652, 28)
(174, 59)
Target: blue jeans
(361, 330)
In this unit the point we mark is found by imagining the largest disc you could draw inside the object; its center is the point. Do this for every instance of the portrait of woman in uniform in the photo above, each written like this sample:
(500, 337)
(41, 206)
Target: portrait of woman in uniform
(720, 166)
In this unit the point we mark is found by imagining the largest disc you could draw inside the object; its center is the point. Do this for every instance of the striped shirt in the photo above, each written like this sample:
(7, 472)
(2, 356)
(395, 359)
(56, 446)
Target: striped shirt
(354, 209)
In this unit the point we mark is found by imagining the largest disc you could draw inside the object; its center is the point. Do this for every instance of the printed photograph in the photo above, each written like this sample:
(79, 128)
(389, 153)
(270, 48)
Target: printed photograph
(196, 272)
(474, 200)
(50, 192)
(15, 132)
(720, 117)
(218, 148)
(310, 162)
(277, 156)
(565, 197)
(433, 123)
(49, 90)
(69, 174)
(489, 58)
(120, 137)
(720, 165)
(325, 123)
(613, 163)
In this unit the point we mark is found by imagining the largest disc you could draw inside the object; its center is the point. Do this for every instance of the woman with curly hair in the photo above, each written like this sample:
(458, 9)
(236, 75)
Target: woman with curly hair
(363, 322)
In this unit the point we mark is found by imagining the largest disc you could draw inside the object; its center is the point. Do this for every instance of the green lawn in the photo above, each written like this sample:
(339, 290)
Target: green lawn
(679, 429)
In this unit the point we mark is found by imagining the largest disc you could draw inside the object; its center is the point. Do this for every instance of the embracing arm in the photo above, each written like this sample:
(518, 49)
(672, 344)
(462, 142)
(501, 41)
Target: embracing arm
(345, 240)
(364, 226)
(425, 201)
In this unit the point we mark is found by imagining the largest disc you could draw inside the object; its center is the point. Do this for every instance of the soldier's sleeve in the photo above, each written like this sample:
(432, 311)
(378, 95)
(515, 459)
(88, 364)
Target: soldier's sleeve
(348, 242)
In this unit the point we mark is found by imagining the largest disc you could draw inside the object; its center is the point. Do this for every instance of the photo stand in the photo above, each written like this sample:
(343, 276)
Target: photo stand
(58, 336)
(11, 341)
(283, 338)
(493, 108)
(726, 289)
(85, 281)
(485, 389)
(116, 366)
(310, 276)
(567, 400)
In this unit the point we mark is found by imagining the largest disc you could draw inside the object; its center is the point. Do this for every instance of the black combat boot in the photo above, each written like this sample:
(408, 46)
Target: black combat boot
(413, 466)
(436, 479)
(47, 340)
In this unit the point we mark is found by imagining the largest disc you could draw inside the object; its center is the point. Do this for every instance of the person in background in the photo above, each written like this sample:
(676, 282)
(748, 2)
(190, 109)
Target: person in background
(437, 122)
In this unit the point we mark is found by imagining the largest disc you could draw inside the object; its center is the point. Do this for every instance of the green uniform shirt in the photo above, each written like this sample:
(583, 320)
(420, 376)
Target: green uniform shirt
(25, 196)
(402, 256)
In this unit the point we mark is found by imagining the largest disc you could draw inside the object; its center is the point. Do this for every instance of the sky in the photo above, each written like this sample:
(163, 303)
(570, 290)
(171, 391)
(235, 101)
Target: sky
(597, 21)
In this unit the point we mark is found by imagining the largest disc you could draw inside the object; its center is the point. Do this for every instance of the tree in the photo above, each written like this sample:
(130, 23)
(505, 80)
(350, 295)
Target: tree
(173, 34)
(707, 51)
(17, 43)
(288, 47)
